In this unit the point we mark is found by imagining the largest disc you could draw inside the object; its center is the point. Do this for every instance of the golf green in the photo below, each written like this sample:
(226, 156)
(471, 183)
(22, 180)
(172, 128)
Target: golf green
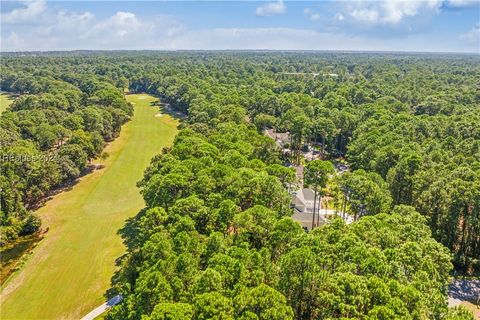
(68, 273)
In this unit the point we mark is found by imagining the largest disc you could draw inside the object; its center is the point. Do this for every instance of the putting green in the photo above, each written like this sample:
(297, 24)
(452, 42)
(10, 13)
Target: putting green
(69, 271)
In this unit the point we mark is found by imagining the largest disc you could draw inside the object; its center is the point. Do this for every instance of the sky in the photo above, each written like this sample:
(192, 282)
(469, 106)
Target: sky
(360, 25)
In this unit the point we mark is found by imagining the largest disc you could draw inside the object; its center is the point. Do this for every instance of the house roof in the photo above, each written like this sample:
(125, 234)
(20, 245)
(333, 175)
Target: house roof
(278, 136)
(304, 196)
(305, 219)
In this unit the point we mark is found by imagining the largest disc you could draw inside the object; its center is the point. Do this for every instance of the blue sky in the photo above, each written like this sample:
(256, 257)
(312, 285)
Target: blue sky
(395, 25)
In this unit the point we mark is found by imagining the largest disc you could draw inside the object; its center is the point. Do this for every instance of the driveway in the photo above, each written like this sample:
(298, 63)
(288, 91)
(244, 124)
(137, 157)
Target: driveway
(463, 290)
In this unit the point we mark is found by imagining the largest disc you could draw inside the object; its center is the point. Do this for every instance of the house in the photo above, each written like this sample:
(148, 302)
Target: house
(281, 138)
(305, 220)
(302, 204)
(303, 200)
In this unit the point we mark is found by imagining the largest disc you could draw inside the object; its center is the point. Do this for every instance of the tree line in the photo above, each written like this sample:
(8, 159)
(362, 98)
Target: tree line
(407, 124)
(215, 240)
(59, 122)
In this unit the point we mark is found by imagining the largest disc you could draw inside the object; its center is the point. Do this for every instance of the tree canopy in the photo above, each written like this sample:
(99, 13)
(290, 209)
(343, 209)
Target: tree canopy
(215, 240)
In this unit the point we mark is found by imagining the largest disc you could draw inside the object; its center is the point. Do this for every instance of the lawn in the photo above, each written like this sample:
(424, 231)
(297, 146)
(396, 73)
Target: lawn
(5, 101)
(70, 270)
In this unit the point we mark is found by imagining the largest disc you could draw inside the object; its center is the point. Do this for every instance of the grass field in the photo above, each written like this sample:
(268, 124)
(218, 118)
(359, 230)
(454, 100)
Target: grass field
(5, 102)
(70, 270)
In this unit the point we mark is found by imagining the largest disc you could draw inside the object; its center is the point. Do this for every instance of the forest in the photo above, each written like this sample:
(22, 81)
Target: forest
(58, 124)
(216, 239)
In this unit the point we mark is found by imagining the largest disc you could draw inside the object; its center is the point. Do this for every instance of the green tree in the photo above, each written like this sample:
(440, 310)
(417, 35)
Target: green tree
(212, 306)
(401, 179)
(325, 128)
(171, 311)
(263, 121)
(365, 193)
(262, 303)
(317, 173)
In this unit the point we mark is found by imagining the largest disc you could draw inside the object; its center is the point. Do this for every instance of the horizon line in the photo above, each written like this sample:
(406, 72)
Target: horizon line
(238, 50)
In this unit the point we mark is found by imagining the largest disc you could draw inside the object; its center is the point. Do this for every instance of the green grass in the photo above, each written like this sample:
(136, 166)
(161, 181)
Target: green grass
(13, 254)
(70, 270)
(5, 101)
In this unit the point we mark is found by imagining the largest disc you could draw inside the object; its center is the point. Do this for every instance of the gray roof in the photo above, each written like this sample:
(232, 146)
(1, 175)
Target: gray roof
(305, 219)
(304, 195)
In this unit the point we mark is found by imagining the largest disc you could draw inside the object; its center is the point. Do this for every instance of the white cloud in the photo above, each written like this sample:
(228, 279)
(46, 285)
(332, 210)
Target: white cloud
(271, 8)
(462, 3)
(263, 38)
(392, 12)
(472, 36)
(365, 15)
(166, 34)
(13, 41)
(65, 30)
(54, 29)
(339, 17)
(120, 25)
(298, 39)
(29, 12)
(312, 15)
(387, 12)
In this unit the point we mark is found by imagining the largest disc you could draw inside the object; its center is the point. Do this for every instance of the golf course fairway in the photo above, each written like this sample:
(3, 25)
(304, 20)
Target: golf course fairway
(5, 102)
(69, 271)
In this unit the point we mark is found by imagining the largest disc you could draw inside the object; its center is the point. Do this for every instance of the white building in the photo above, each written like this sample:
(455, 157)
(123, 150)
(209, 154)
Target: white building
(302, 203)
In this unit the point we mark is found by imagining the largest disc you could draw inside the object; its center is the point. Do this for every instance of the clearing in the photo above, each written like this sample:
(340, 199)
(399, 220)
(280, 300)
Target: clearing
(5, 101)
(69, 271)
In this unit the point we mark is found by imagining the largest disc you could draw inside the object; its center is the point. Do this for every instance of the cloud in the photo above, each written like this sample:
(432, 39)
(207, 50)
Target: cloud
(164, 33)
(386, 12)
(312, 15)
(29, 12)
(365, 15)
(120, 25)
(461, 3)
(271, 8)
(472, 36)
(13, 40)
(339, 17)
(65, 30)
(58, 29)
(262, 38)
(298, 39)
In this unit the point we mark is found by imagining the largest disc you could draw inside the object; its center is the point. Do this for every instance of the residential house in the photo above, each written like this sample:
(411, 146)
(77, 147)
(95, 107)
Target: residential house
(302, 204)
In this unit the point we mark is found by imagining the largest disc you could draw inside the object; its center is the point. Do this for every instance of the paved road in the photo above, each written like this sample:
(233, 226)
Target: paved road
(463, 290)
(104, 307)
